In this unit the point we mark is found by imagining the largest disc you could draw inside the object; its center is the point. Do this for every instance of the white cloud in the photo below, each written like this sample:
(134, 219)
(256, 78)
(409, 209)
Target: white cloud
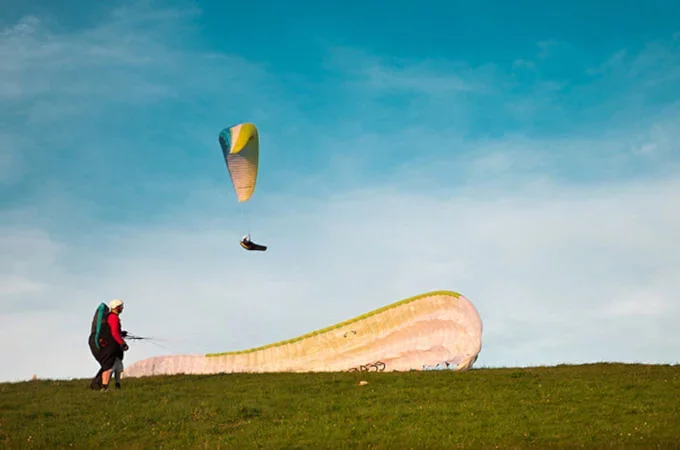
(539, 93)
(615, 62)
(119, 61)
(418, 79)
(548, 47)
(376, 75)
(13, 285)
(557, 275)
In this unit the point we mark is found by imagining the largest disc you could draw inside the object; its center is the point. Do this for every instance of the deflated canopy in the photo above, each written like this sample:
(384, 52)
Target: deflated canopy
(241, 147)
(432, 331)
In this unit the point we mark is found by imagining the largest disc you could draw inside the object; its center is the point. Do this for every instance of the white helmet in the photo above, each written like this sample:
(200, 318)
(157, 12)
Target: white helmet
(115, 303)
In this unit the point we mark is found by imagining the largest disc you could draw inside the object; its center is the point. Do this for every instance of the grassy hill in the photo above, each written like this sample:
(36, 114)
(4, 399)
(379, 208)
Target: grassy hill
(588, 406)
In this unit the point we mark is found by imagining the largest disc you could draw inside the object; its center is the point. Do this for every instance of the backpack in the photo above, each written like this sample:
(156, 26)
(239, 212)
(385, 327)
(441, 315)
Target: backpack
(100, 327)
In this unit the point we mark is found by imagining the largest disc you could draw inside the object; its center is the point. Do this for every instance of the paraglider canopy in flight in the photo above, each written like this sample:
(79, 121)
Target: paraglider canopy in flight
(241, 149)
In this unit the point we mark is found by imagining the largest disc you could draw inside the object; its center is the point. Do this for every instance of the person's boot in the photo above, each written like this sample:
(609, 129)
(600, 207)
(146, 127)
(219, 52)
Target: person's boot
(95, 384)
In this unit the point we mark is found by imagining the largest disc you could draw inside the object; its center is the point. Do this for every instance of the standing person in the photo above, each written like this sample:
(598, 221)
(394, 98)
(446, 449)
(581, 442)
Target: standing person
(118, 334)
(109, 347)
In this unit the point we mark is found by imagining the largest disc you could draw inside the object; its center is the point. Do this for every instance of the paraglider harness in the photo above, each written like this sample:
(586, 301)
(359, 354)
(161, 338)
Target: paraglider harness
(100, 332)
(250, 245)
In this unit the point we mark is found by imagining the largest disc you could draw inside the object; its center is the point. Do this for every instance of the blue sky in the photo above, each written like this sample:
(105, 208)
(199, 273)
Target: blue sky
(534, 145)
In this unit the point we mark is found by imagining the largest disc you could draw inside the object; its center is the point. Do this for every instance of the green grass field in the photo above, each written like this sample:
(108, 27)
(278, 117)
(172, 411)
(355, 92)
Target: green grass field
(586, 406)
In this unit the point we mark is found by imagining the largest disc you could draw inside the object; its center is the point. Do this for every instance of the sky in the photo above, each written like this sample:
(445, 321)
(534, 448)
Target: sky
(526, 155)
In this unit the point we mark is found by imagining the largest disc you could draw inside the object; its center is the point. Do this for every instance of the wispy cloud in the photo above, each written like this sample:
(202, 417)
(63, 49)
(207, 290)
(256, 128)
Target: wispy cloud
(424, 77)
(81, 96)
(11, 162)
(120, 61)
(547, 48)
(615, 62)
(555, 92)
